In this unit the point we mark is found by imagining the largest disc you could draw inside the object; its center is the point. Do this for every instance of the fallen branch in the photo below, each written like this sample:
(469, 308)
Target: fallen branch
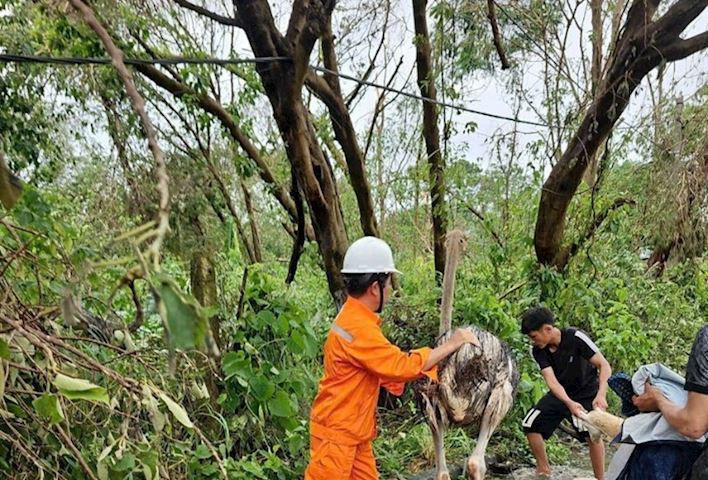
(77, 453)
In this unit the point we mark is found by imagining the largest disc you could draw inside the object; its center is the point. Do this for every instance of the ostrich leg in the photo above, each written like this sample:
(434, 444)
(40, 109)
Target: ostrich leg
(498, 405)
(437, 428)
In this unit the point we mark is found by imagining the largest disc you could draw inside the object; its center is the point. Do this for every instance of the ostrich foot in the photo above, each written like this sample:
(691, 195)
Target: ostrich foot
(476, 468)
(443, 476)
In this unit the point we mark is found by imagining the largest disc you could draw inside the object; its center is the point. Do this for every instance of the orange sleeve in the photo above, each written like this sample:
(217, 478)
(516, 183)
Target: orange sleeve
(376, 354)
(394, 388)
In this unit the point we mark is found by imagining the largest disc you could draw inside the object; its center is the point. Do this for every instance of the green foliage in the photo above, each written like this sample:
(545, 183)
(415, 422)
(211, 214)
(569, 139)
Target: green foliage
(78, 389)
(185, 319)
(264, 377)
(48, 406)
(4, 350)
(110, 386)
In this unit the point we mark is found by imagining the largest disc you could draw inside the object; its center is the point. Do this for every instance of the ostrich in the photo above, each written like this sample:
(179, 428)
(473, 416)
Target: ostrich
(477, 384)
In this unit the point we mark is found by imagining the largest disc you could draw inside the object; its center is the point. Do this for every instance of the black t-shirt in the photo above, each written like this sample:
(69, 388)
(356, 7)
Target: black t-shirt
(570, 363)
(697, 368)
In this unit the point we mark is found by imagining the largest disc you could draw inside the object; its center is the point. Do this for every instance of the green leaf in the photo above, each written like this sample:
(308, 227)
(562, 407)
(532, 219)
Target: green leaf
(47, 406)
(281, 325)
(185, 321)
(253, 469)
(157, 418)
(124, 464)
(265, 318)
(177, 410)
(262, 389)
(235, 363)
(79, 389)
(202, 452)
(296, 343)
(102, 471)
(148, 459)
(4, 349)
(280, 405)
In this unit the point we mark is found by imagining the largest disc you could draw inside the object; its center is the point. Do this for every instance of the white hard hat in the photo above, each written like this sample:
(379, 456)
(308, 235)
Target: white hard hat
(369, 255)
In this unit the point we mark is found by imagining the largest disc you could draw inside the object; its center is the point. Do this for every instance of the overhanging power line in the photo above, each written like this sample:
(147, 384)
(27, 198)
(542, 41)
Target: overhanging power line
(15, 58)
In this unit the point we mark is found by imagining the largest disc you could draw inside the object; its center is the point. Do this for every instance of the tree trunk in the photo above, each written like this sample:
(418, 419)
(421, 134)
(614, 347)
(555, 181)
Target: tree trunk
(283, 83)
(343, 129)
(426, 83)
(642, 47)
(203, 282)
(10, 185)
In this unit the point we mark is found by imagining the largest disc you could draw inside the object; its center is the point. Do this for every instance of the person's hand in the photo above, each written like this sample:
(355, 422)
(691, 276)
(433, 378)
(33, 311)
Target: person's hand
(464, 335)
(600, 402)
(649, 400)
(577, 409)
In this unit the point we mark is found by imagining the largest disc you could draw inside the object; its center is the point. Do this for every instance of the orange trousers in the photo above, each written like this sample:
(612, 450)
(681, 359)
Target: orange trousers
(333, 461)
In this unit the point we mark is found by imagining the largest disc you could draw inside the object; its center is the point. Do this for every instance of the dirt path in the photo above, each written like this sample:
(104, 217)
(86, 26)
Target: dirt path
(579, 468)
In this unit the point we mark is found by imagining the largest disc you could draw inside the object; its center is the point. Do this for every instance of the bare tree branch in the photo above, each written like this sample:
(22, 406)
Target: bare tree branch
(138, 321)
(492, 16)
(677, 18)
(299, 239)
(639, 15)
(255, 236)
(210, 105)
(343, 127)
(683, 48)
(620, 202)
(379, 107)
(484, 224)
(230, 205)
(638, 51)
(224, 20)
(352, 96)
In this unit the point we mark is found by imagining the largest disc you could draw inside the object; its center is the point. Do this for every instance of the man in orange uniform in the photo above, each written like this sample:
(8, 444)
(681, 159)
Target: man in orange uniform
(357, 360)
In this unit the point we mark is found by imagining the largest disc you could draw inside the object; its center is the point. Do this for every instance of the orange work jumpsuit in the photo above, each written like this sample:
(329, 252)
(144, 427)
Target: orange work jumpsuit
(357, 360)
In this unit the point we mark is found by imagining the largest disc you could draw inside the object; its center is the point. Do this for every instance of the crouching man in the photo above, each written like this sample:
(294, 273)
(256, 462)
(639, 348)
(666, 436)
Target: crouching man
(569, 361)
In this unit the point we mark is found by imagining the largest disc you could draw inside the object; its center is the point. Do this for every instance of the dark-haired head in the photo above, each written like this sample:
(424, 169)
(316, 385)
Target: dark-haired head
(535, 318)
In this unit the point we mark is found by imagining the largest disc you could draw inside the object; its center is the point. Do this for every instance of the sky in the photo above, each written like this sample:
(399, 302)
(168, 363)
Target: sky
(485, 91)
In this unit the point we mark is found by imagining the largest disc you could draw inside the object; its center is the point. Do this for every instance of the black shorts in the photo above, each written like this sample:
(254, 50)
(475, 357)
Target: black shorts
(549, 412)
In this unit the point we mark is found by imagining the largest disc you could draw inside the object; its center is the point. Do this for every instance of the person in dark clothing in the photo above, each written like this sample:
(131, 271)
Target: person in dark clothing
(691, 419)
(576, 373)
